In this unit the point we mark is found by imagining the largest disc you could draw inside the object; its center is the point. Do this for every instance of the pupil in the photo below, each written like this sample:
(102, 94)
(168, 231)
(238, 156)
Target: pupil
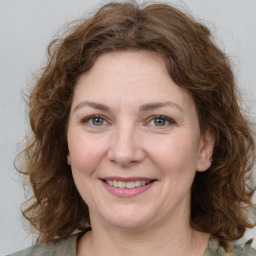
(159, 122)
(97, 121)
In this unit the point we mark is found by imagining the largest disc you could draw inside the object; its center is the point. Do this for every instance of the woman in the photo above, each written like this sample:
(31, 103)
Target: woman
(138, 143)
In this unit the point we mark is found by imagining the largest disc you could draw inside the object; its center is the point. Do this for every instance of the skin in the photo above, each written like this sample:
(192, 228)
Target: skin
(128, 140)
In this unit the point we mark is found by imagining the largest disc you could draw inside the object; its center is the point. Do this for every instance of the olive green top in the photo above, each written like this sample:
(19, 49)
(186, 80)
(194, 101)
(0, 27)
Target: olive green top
(214, 249)
(67, 247)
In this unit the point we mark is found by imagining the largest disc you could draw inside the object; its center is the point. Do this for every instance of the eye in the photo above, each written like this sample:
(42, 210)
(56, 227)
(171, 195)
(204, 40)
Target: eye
(161, 121)
(95, 120)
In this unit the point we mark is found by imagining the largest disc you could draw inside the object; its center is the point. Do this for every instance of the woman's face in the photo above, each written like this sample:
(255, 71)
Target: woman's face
(134, 141)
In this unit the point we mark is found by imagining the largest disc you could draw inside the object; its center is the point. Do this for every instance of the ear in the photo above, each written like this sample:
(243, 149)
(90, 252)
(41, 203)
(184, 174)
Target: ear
(68, 158)
(206, 150)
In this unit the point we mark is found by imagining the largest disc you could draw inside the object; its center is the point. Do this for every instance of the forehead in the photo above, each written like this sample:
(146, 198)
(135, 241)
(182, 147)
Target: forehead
(120, 65)
(130, 76)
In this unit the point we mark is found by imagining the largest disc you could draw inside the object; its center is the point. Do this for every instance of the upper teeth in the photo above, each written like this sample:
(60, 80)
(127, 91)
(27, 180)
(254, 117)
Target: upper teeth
(129, 184)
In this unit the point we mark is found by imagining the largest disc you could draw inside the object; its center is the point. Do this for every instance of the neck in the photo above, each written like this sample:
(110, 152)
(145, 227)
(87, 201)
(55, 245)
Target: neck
(174, 239)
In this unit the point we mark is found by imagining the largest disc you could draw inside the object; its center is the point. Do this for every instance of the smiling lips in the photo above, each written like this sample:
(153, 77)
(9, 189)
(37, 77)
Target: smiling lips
(127, 187)
(129, 184)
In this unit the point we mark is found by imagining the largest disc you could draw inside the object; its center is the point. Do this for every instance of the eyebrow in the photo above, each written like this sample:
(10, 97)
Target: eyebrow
(91, 104)
(155, 105)
(143, 108)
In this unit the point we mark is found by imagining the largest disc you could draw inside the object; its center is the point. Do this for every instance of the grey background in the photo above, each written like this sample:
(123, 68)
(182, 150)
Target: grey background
(26, 28)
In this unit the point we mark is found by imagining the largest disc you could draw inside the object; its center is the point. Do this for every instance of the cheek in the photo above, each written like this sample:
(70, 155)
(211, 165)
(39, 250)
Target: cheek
(85, 153)
(175, 155)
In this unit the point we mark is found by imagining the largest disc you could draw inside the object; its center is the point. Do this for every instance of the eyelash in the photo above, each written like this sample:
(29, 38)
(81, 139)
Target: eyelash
(169, 120)
(91, 117)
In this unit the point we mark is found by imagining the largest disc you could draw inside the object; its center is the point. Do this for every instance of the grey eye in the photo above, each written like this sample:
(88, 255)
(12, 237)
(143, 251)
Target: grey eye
(97, 121)
(159, 122)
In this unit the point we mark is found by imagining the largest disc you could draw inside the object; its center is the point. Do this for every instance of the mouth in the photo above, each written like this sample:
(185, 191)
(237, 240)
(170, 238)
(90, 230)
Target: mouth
(127, 187)
(127, 184)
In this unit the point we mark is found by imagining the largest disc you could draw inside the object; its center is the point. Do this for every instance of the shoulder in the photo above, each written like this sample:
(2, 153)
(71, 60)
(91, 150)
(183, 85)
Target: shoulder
(247, 249)
(62, 247)
(215, 249)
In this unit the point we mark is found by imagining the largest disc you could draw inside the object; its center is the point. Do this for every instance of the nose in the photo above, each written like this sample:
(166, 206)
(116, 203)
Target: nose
(126, 147)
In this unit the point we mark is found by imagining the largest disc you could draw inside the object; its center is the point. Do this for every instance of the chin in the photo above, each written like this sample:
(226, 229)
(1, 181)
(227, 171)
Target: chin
(128, 223)
(127, 218)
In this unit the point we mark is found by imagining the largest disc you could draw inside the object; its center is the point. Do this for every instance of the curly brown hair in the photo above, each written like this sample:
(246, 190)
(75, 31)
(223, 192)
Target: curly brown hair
(220, 196)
